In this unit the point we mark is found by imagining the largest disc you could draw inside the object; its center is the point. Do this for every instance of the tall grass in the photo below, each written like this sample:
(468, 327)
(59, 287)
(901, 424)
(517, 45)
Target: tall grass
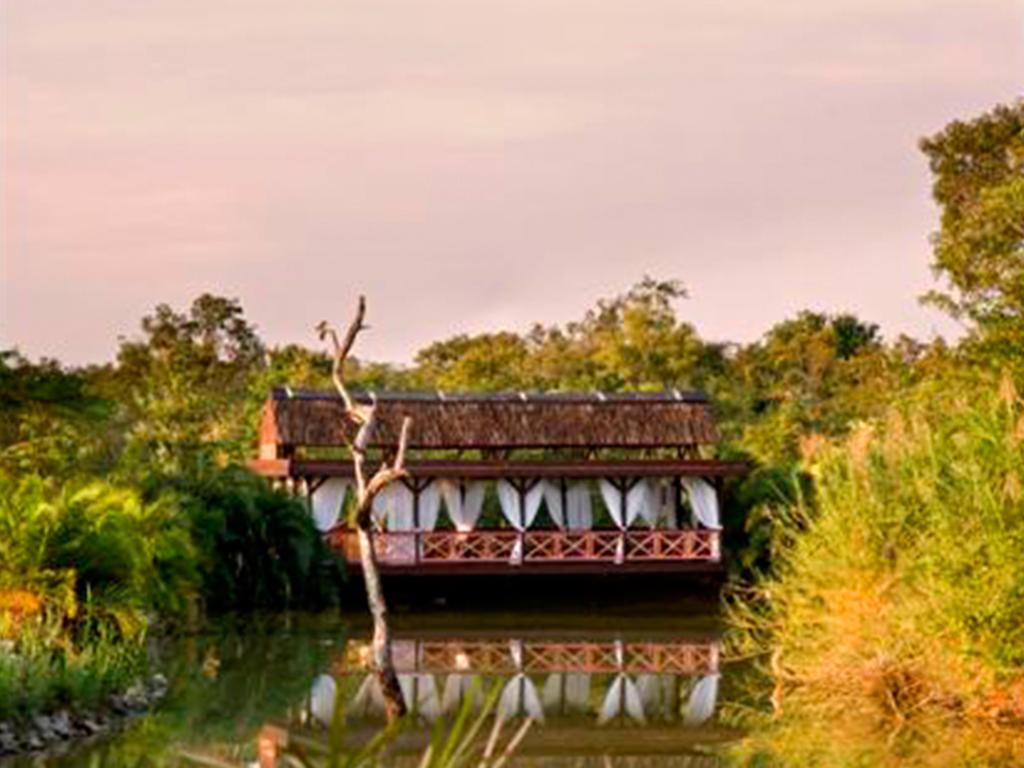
(42, 668)
(898, 592)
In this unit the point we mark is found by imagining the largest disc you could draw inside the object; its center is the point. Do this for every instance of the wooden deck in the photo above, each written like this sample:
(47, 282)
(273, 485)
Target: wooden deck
(538, 551)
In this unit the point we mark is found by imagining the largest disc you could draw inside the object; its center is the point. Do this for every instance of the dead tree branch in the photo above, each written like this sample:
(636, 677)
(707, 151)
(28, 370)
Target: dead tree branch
(366, 491)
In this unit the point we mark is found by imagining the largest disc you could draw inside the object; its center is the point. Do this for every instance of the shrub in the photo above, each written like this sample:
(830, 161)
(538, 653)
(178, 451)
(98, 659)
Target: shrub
(88, 543)
(257, 547)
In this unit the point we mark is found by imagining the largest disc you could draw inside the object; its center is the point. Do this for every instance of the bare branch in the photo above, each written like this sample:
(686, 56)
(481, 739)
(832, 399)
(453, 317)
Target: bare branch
(382, 478)
(403, 443)
(341, 352)
(365, 433)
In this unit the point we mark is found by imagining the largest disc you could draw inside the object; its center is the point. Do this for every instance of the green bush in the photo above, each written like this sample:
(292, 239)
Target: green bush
(257, 547)
(87, 542)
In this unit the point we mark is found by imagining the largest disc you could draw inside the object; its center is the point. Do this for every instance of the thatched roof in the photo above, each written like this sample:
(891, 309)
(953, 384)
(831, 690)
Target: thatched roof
(499, 421)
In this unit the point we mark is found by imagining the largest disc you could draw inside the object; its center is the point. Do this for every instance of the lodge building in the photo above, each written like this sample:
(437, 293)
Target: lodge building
(514, 483)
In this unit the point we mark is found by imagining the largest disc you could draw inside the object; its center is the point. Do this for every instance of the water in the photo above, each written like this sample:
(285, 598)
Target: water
(634, 690)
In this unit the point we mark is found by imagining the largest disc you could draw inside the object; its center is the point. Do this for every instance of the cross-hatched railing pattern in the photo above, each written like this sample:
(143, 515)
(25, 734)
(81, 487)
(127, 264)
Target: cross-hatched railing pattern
(514, 548)
(505, 657)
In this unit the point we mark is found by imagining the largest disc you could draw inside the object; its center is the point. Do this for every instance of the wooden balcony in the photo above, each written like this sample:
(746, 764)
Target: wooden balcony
(547, 550)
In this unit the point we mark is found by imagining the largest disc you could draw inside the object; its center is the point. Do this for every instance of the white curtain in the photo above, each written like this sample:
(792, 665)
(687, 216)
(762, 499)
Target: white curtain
(551, 695)
(622, 698)
(321, 699)
(508, 497)
(393, 507)
(612, 498)
(430, 506)
(520, 697)
(643, 502)
(420, 694)
(369, 699)
(519, 518)
(327, 501)
(656, 692)
(666, 499)
(515, 650)
(566, 692)
(457, 687)
(701, 704)
(640, 502)
(577, 691)
(577, 514)
(463, 509)
(703, 502)
(637, 499)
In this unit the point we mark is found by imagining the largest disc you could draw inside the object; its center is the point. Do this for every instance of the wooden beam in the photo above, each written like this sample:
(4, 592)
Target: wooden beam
(493, 470)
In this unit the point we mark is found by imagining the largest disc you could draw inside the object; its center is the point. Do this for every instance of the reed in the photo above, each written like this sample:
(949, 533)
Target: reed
(897, 592)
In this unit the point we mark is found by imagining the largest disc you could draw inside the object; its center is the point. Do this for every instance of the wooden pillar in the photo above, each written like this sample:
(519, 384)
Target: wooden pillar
(416, 524)
(563, 490)
(677, 507)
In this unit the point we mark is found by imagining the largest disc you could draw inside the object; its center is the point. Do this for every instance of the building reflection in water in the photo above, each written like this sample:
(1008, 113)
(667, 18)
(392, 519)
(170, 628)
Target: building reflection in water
(601, 683)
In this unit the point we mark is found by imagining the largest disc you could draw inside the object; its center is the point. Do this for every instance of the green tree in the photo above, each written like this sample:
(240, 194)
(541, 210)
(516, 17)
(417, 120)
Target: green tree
(49, 417)
(485, 362)
(811, 375)
(185, 385)
(978, 171)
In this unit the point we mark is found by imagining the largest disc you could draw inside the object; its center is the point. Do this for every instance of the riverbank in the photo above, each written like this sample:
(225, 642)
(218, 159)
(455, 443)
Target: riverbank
(62, 729)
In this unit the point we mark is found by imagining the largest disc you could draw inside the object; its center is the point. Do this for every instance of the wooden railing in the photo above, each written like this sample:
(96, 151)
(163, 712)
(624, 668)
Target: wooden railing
(497, 656)
(515, 548)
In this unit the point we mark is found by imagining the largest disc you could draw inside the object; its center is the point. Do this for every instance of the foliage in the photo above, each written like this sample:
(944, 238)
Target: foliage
(48, 417)
(183, 386)
(256, 547)
(87, 542)
(900, 593)
(978, 170)
(42, 668)
(632, 341)
(809, 376)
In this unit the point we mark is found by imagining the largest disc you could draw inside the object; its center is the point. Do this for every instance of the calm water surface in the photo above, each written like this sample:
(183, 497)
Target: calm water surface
(606, 689)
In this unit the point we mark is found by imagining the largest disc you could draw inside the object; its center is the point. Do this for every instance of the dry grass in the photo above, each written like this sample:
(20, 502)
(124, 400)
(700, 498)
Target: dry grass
(897, 605)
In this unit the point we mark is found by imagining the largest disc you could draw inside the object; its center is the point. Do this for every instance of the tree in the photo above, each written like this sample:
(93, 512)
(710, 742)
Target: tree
(487, 362)
(809, 375)
(978, 172)
(185, 384)
(632, 341)
(367, 488)
(49, 417)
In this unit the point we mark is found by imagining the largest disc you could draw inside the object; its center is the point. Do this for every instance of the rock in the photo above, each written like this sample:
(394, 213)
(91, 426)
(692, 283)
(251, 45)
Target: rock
(136, 697)
(90, 726)
(118, 704)
(44, 728)
(8, 741)
(31, 741)
(61, 724)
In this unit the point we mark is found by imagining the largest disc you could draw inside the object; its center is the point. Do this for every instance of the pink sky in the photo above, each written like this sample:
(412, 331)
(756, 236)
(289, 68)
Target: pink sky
(476, 164)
